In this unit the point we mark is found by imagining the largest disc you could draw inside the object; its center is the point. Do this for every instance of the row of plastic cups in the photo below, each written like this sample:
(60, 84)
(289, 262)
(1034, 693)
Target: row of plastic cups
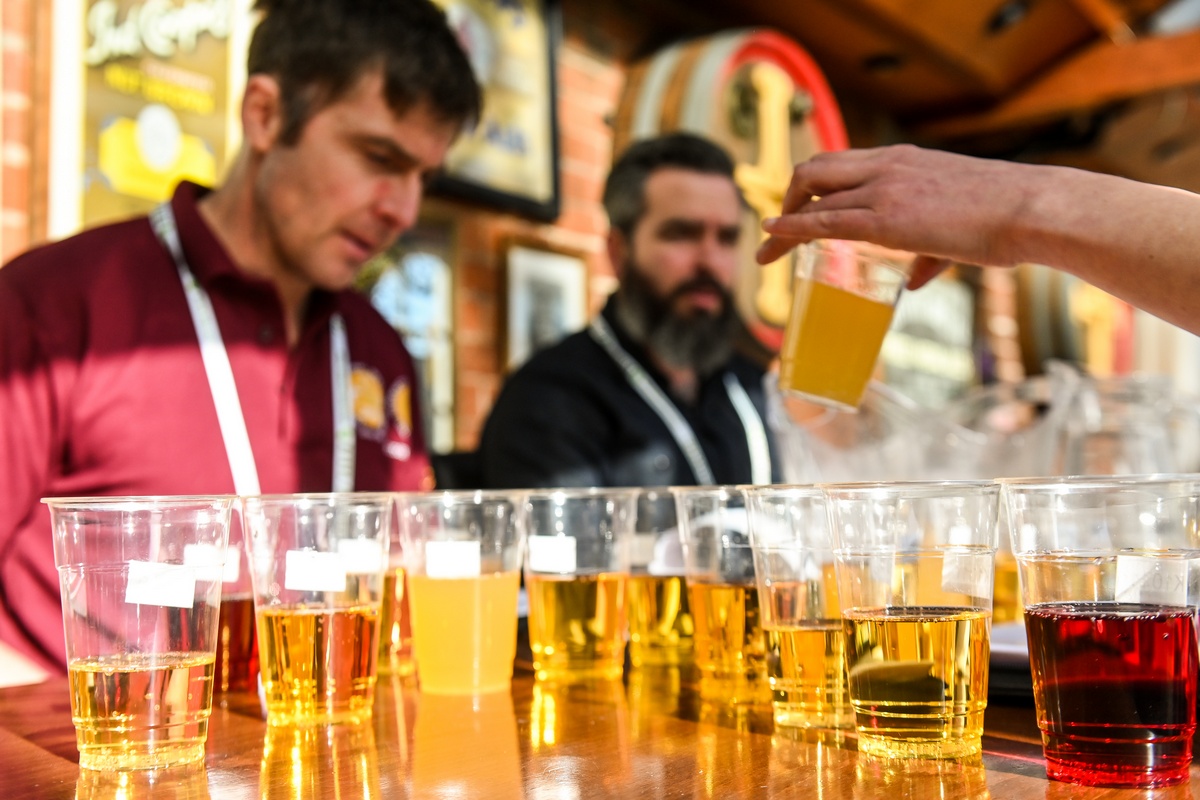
(912, 593)
(904, 573)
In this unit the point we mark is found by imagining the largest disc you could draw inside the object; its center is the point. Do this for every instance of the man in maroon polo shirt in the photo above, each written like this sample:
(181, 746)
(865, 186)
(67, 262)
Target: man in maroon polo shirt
(216, 346)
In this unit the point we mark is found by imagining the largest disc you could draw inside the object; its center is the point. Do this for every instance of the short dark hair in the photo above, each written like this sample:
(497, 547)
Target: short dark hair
(625, 189)
(319, 49)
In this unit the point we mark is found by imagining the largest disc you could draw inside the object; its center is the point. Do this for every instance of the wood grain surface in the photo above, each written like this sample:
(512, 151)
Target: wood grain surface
(647, 737)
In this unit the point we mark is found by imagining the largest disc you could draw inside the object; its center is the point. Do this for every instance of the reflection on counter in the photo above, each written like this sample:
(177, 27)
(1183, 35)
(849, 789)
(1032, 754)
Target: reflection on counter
(187, 782)
(568, 725)
(320, 761)
(893, 778)
(655, 695)
(482, 729)
(394, 720)
(801, 753)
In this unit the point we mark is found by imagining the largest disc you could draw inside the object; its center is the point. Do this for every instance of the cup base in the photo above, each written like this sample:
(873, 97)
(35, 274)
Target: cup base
(793, 715)
(885, 747)
(139, 756)
(1089, 775)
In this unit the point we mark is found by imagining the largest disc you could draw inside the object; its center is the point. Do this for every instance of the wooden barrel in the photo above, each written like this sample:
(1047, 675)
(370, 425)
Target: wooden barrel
(761, 96)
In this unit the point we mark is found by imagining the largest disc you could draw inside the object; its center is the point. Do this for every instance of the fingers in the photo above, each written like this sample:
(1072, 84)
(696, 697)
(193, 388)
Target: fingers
(828, 173)
(925, 269)
(816, 222)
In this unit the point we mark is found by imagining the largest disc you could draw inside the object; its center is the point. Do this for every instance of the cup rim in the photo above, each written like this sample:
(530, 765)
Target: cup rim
(905, 488)
(576, 492)
(458, 495)
(329, 497)
(147, 500)
(1073, 483)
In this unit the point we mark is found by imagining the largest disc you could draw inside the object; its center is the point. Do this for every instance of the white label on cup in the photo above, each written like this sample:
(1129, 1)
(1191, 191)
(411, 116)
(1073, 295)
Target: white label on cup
(552, 553)
(452, 559)
(643, 548)
(165, 585)
(233, 565)
(314, 571)
(361, 556)
(205, 561)
(966, 572)
(1159, 581)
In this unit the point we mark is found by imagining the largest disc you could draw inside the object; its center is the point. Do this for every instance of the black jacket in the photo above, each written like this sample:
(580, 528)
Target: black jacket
(569, 417)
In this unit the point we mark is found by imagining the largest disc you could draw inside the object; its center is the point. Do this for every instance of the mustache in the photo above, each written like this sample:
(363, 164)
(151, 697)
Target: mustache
(700, 283)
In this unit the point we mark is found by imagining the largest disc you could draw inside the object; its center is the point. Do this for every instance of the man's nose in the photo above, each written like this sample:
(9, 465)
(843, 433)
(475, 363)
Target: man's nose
(398, 201)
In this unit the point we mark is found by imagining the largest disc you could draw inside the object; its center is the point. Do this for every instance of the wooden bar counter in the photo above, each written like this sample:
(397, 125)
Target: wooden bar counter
(648, 738)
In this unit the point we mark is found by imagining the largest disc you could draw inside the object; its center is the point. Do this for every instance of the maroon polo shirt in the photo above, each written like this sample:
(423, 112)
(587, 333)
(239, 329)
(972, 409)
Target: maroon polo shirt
(103, 392)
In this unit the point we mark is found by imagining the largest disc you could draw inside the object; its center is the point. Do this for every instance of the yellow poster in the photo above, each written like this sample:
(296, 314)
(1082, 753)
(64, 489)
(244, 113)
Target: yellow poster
(155, 103)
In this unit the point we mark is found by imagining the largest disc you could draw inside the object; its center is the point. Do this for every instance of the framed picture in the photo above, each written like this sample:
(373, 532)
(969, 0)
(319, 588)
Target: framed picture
(547, 298)
(510, 160)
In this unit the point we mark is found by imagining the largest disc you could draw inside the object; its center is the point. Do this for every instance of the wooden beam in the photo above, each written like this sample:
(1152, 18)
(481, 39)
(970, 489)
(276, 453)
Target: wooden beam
(1101, 74)
(1107, 17)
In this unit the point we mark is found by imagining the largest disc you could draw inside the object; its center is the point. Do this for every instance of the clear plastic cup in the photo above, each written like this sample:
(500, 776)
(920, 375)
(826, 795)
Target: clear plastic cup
(1110, 580)
(915, 572)
(318, 562)
(801, 614)
(141, 591)
(729, 646)
(462, 554)
(576, 568)
(660, 617)
(843, 299)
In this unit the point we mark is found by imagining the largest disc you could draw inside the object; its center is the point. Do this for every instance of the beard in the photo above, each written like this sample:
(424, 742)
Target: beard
(700, 340)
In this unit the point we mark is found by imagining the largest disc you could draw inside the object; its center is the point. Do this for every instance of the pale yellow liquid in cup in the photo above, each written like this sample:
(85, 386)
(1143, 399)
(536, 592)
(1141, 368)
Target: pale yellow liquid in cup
(660, 621)
(318, 664)
(465, 632)
(141, 710)
(577, 626)
(918, 680)
(832, 342)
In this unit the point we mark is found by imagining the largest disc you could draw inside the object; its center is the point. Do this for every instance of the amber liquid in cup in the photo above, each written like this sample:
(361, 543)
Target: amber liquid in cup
(730, 649)
(237, 646)
(395, 626)
(318, 664)
(577, 626)
(660, 621)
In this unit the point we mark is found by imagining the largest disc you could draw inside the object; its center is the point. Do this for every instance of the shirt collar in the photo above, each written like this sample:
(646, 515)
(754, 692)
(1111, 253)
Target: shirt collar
(210, 262)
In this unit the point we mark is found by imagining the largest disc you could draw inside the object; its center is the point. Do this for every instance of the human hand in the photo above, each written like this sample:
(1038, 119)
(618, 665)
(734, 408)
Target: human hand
(942, 206)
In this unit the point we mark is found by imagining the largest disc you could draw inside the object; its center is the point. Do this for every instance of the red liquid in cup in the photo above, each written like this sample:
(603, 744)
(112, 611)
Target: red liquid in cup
(237, 646)
(1115, 688)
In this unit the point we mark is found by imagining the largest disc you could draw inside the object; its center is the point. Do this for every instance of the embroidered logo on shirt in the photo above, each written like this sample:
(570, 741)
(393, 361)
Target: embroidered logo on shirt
(400, 403)
(368, 400)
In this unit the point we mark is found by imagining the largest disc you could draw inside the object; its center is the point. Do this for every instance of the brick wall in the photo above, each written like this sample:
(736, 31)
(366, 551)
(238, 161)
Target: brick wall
(588, 88)
(16, 92)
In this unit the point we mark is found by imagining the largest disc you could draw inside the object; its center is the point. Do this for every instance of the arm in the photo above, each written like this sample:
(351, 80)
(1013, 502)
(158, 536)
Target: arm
(1135, 240)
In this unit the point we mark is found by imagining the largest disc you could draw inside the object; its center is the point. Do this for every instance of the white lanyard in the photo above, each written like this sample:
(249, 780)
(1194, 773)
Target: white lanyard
(681, 431)
(224, 389)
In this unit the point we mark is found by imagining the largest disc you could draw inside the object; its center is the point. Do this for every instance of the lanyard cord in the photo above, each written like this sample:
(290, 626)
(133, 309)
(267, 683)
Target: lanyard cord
(224, 389)
(681, 431)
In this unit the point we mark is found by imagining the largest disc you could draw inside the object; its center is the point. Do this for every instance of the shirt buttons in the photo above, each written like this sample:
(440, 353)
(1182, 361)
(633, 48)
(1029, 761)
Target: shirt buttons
(662, 462)
(266, 334)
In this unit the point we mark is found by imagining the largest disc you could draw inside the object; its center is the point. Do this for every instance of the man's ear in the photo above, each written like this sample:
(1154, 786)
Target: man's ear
(262, 112)
(618, 250)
